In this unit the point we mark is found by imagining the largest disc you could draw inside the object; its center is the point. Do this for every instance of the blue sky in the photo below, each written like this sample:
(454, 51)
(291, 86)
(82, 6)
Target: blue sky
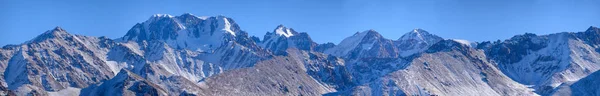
(324, 20)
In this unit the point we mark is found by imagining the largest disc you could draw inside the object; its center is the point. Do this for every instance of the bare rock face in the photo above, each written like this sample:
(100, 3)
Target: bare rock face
(125, 83)
(57, 60)
(278, 76)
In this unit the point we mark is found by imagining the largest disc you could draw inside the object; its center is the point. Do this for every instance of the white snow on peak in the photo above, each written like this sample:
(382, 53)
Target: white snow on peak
(416, 34)
(283, 31)
(156, 17)
(162, 15)
(279, 33)
(227, 26)
(347, 44)
(203, 17)
(461, 41)
(417, 30)
(420, 35)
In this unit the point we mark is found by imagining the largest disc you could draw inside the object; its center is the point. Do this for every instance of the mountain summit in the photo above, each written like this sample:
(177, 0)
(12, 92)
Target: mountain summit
(419, 35)
(190, 32)
(56, 32)
(283, 38)
(283, 31)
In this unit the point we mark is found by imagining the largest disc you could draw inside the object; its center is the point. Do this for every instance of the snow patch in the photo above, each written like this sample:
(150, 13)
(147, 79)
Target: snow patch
(414, 34)
(227, 27)
(162, 15)
(347, 44)
(70, 91)
(282, 31)
(461, 41)
(204, 17)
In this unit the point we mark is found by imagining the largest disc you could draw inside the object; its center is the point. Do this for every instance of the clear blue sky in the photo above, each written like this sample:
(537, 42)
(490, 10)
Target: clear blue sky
(324, 20)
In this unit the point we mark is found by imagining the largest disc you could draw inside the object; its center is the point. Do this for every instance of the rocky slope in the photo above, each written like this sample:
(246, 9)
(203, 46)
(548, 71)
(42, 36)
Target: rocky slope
(547, 61)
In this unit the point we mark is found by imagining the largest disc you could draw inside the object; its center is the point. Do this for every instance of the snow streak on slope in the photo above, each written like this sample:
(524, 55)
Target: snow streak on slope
(347, 44)
(282, 31)
(416, 41)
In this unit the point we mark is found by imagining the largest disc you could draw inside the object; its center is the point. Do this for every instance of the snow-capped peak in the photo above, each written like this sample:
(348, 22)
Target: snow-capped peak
(414, 34)
(461, 41)
(420, 35)
(163, 26)
(161, 15)
(350, 43)
(283, 31)
(418, 30)
(372, 32)
(360, 35)
(187, 31)
(279, 39)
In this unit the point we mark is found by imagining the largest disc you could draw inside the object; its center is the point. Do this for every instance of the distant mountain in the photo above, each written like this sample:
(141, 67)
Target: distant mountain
(190, 55)
(547, 61)
(283, 38)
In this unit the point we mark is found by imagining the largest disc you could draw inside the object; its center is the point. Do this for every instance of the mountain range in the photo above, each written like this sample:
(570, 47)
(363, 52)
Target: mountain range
(188, 55)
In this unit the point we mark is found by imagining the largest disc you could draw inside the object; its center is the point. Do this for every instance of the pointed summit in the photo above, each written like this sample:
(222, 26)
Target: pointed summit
(418, 34)
(366, 33)
(416, 41)
(418, 30)
(56, 32)
(283, 38)
(280, 26)
(284, 31)
(58, 29)
(593, 29)
(361, 42)
(372, 33)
